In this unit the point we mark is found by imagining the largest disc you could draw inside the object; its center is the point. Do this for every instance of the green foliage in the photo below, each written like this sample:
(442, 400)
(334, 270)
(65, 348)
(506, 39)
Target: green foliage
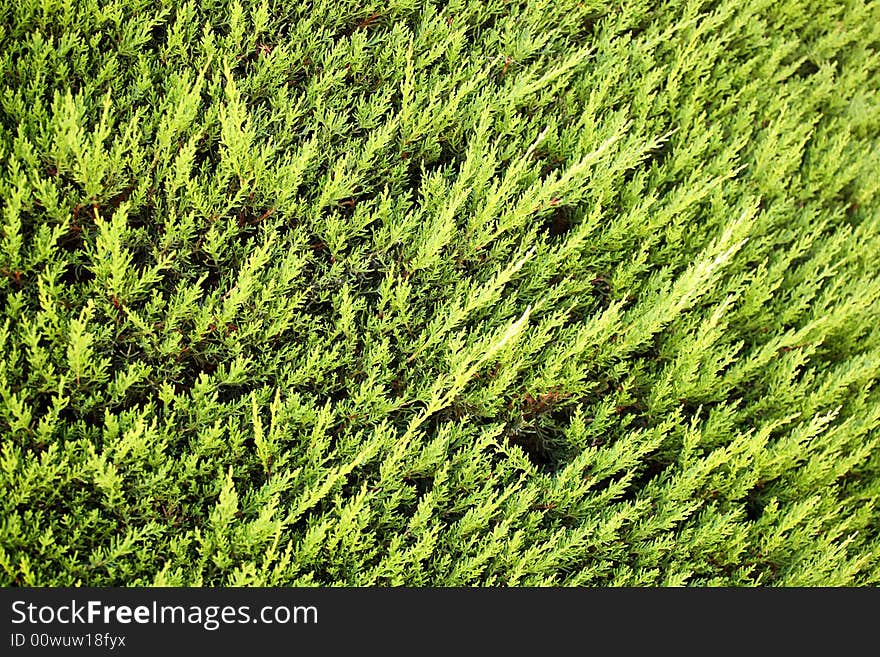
(465, 293)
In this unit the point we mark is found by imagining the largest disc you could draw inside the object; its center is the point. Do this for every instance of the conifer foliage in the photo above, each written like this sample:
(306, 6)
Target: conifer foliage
(415, 293)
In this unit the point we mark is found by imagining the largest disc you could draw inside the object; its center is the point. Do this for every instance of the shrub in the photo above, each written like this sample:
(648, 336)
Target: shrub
(383, 293)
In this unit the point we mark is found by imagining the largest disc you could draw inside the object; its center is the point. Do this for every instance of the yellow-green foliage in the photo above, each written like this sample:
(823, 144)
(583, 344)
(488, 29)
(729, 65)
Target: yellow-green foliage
(382, 293)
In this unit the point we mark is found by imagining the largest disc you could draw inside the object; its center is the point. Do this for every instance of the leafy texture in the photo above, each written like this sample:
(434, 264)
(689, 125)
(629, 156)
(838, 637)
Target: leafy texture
(466, 293)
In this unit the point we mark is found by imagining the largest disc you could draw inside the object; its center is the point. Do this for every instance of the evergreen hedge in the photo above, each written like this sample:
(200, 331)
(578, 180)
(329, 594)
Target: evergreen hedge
(416, 293)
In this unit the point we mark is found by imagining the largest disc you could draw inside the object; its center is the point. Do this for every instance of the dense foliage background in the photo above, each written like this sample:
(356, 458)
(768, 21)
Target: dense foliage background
(507, 293)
